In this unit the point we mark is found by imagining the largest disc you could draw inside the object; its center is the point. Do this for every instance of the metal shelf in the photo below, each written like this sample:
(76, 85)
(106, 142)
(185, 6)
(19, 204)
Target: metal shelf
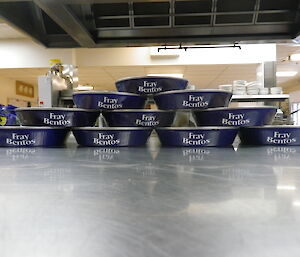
(260, 98)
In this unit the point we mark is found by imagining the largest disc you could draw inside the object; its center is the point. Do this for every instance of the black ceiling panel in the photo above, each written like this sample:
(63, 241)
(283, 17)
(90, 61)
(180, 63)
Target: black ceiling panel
(151, 21)
(276, 17)
(192, 20)
(236, 18)
(104, 23)
(112, 23)
(203, 6)
(145, 8)
(235, 6)
(51, 27)
(113, 9)
(278, 4)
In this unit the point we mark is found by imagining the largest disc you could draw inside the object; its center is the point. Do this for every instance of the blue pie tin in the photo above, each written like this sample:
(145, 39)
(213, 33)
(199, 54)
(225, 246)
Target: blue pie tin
(150, 85)
(197, 136)
(111, 137)
(239, 116)
(57, 117)
(139, 118)
(287, 135)
(33, 136)
(192, 99)
(101, 100)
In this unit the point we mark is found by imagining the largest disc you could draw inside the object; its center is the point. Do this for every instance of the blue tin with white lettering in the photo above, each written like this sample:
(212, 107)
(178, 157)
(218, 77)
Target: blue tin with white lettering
(33, 136)
(236, 116)
(139, 118)
(287, 135)
(57, 117)
(192, 99)
(111, 137)
(150, 85)
(197, 136)
(102, 100)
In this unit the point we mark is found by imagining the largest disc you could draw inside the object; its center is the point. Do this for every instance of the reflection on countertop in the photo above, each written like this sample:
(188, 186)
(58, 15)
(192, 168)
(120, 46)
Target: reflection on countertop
(150, 201)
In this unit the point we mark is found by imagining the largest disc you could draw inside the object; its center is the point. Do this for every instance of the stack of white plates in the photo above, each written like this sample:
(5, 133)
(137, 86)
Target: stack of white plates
(239, 87)
(276, 90)
(264, 91)
(227, 88)
(253, 87)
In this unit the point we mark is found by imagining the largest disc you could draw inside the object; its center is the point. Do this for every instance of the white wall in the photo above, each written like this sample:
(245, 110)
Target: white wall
(141, 56)
(8, 90)
(295, 97)
(24, 53)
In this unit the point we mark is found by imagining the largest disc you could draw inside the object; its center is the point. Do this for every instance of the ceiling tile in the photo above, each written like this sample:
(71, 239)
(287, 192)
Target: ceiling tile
(164, 69)
(138, 69)
(197, 68)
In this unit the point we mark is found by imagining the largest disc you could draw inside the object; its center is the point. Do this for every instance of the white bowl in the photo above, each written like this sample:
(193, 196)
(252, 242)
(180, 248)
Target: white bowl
(264, 91)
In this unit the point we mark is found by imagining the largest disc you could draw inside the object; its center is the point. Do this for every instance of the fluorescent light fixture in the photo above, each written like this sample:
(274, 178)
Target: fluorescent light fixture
(296, 203)
(295, 57)
(286, 187)
(282, 73)
(84, 88)
(286, 73)
(175, 75)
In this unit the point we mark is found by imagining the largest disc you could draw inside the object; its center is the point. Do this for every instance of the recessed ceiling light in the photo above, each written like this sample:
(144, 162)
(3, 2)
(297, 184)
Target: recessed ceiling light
(295, 57)
(175, 75)
(296, 203)
(286, 187)
(286, 73)
(84, 88)
(282, 73)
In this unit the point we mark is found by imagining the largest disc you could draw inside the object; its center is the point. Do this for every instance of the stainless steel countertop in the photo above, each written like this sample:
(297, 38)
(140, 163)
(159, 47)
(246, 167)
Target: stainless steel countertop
(150, 202)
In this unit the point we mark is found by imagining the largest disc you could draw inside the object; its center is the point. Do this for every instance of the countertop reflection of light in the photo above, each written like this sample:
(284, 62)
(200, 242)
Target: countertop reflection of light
(286, 187)
(175, 75)
(296, 203)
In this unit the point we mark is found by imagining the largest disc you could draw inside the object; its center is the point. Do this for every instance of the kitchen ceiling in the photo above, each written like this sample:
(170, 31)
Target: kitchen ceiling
(103, 23)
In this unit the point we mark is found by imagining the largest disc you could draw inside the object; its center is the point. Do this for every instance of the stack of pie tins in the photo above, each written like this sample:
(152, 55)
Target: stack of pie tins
(128, 123)
(253, 123)
(186, 101)
(131, 125)
(217, 126)
(46, 127)
(49, 127)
